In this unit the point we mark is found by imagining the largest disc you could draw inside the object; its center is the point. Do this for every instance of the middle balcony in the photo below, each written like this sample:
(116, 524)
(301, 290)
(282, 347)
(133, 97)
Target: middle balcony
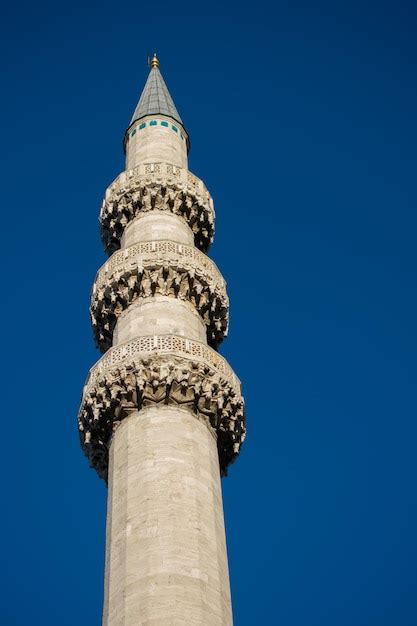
(151, 269)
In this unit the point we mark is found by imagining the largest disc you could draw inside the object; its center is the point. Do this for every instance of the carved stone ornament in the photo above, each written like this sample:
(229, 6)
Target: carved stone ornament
(156, 186)
(163, 369)
(164, 268)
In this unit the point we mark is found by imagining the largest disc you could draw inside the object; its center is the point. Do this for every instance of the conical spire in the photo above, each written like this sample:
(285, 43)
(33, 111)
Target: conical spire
(155, 97)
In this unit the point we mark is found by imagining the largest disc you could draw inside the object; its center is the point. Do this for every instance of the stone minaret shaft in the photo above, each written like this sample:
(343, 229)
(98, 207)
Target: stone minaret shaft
(161, 416)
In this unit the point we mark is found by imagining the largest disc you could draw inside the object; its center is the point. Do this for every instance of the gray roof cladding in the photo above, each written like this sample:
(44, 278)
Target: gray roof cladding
(155, 99)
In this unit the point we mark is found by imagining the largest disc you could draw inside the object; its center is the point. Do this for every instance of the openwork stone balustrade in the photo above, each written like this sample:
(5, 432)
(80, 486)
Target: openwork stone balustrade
(164, 268)
(156, 186)
(164, 369)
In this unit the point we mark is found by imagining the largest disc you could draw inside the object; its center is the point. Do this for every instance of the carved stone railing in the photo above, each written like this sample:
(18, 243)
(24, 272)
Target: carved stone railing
(158, 169)
(156, 186)
(164, 369)
(150, 249)
(174, 345)
(158, 268)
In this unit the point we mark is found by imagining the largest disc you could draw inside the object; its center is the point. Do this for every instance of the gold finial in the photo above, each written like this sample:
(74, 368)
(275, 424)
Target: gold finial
(154, 61)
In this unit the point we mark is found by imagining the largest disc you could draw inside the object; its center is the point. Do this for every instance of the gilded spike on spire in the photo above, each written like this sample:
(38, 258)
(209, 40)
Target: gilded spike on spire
(154, 61)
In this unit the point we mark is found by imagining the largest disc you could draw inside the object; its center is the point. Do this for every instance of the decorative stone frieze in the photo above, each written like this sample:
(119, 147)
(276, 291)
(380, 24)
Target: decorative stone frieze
(164, 369)
(156, 186)
(149, 249)
(158, 268)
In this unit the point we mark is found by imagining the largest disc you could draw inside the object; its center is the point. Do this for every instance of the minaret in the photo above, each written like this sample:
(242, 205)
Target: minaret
(161, 415)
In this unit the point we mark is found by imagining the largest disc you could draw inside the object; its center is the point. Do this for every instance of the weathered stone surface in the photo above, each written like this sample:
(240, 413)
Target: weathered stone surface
(166, 549)
(157, 226)
(160, 315)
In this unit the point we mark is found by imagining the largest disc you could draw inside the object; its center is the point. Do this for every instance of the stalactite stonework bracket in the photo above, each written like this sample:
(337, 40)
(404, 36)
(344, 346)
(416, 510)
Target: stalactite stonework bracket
(156, 186)
(161, 370)
(158, 268)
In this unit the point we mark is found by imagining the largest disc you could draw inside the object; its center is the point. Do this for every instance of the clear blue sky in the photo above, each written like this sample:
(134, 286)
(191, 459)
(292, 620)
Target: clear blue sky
(302, 120)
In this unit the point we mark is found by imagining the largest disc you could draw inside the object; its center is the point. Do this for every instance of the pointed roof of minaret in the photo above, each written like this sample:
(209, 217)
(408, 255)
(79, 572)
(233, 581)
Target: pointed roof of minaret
(155, 97)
